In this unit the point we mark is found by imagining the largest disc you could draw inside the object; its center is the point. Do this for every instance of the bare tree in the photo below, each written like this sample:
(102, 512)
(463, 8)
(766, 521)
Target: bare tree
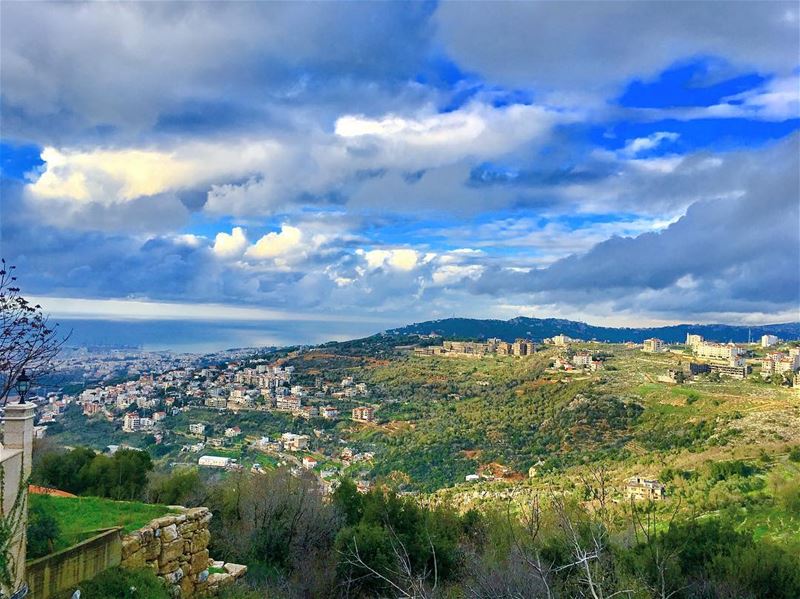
(27, 339)
(524, 574)
(588, 542)
(401, 576)
(661, 556)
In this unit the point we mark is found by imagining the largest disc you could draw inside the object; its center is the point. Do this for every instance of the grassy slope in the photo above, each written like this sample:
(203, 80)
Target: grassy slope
(684, 428)
(78, 516)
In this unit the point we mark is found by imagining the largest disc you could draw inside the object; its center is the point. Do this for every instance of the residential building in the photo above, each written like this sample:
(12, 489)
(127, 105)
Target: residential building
(288, 403)
(523, 347)
(693, 340)
(653, 346)
(561, 340)
(780, 363)
(197, 428)
(582, 360)
(718, 351)
(293, 442)
(309, 463)
(233, 431)
(737, 369)
(642, 488)
(213, 461)
(131, 422)
(329, 412)
(768, 340)
(364, 414)
(216, 402)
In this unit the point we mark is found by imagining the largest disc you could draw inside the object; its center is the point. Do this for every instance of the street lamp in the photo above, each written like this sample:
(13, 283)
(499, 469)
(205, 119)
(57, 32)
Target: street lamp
(22, 385)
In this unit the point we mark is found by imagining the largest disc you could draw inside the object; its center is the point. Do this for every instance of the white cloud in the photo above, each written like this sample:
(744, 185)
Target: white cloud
(642, 144)
(230, 245)
(450, 274)
(277, 246)
(122, 175)
(398, 259)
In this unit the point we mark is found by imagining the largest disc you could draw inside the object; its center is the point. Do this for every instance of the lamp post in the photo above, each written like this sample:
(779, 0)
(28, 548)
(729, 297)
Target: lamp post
(23, 384)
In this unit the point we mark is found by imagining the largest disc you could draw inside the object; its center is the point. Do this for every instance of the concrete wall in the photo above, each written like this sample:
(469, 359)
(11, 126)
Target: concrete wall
(58, 573)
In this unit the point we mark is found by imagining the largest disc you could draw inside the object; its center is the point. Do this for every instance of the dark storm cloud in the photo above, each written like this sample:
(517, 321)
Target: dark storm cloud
(724, 254)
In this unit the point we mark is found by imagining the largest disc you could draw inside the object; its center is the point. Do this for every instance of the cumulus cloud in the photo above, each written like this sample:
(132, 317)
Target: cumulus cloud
(353, 147)
(278, 245)
(138, 65)
(230, 245)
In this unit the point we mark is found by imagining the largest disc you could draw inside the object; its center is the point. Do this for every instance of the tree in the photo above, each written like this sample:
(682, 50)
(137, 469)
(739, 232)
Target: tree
(43, 530)
(27, 340)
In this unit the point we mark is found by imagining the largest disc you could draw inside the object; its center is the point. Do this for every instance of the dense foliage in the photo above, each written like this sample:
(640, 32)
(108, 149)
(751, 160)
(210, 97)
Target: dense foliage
(84, 472)
(118, 583)
(43, 530)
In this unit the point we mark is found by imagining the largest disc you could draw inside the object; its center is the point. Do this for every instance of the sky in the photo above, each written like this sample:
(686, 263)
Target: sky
(368, 165)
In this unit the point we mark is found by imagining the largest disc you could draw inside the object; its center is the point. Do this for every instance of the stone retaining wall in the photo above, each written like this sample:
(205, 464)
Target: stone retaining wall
(176, 547)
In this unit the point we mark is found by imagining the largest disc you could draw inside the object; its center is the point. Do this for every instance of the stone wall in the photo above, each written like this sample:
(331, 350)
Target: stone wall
(176, 547)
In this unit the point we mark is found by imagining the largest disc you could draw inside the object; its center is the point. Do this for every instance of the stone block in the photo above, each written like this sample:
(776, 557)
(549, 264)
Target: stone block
(199, 561)
(196, 513)
(130, 545)
(187, 587)
(169, 533)
(163, 521)
(134, 561)
(188, 527)
(146, 534)
(152, 550)
(174, 577)
(200, 540)
(170, 552)
(167, 567)
(236, 570)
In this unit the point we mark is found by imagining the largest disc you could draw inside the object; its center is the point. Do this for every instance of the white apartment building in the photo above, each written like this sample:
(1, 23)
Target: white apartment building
(718, 351)
(693, 340)
(293, 442)
(329, 412)
(582, 359)
(561, 340)
(214, 461)
(197, 428)
(768, 340)
(653, 346)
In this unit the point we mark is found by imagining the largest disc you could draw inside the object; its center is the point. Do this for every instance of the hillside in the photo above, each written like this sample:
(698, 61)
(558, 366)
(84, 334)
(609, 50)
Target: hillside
(540, 328)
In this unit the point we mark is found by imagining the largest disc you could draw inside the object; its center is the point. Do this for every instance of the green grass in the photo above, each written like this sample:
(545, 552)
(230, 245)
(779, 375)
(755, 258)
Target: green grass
(79, 516)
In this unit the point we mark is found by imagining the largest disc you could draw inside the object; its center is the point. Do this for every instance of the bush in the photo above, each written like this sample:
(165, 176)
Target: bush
(84, 472)
(794, 454)
(43, 530)
(119, 583)
(724, 470)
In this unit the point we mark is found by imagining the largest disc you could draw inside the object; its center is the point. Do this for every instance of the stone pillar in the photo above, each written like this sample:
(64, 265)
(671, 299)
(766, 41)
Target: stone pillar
(16, 455)
(18, 431)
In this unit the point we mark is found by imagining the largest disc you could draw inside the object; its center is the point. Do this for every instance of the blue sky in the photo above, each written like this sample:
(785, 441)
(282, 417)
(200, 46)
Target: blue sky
(390, 162)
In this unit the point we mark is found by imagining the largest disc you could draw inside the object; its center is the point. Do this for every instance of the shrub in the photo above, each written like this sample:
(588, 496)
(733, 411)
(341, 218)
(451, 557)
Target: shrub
(43, 530)
(119, 583)
(723, 470)
(794, 453)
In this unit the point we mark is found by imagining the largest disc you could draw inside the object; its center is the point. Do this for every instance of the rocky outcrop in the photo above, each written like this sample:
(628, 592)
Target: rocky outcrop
(176, 548)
